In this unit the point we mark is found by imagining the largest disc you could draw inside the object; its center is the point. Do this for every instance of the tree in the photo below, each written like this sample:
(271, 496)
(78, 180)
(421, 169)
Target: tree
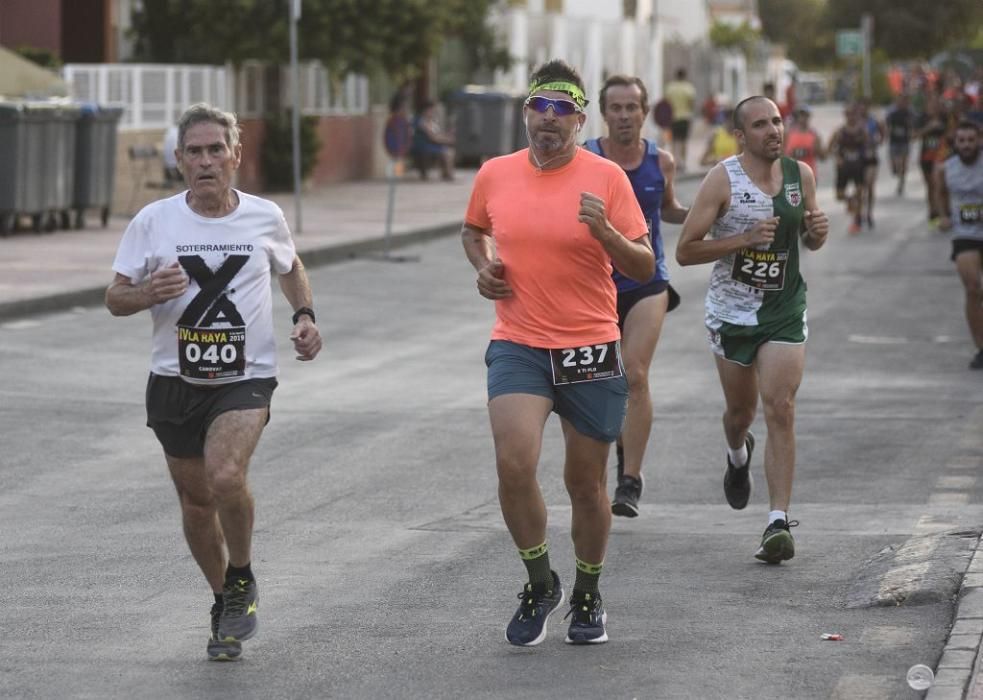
(726, 36)
(801, 26)
(911, 28)
(395, 36)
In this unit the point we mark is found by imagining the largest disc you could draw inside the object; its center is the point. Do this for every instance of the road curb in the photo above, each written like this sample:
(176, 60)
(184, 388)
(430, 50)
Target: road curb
(957, 675)
(312, 257)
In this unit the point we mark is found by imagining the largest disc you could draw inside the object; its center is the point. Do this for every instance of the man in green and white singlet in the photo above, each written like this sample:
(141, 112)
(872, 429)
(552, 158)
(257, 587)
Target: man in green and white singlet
(756, 206)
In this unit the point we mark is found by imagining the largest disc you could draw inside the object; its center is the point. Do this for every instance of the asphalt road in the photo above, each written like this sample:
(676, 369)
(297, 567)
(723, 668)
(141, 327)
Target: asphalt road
(384, 566)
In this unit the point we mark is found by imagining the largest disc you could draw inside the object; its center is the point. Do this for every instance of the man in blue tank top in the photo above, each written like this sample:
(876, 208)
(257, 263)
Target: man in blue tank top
(642, 307)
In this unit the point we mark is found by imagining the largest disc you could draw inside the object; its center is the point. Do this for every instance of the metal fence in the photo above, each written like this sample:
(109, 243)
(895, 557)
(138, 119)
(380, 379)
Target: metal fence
(320, 94)
(153, 96)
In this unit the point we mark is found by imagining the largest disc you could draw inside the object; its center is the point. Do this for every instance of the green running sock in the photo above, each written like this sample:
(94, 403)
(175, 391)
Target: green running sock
(537, 561)
(587, 577)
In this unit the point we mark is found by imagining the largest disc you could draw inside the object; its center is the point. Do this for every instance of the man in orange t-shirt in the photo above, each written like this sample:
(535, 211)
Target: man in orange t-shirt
(542, 229)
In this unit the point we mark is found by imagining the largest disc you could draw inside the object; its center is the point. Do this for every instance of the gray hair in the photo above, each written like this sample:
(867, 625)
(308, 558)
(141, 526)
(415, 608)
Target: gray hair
(203, 112)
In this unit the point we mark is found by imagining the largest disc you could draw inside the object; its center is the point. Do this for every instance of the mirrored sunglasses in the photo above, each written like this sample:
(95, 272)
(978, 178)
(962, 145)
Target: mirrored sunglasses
(561, 108)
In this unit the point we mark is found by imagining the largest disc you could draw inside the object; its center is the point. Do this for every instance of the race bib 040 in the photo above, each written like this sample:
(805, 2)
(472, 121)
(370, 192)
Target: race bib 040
(212, 353)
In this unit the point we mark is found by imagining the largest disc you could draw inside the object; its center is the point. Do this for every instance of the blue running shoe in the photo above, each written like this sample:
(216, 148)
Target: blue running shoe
(528, 626)
(587, 625)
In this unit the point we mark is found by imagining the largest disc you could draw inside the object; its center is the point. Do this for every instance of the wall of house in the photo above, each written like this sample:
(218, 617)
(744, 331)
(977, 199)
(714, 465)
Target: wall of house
(350, 150)
(35, 23)
(86, 35)
(346, 149)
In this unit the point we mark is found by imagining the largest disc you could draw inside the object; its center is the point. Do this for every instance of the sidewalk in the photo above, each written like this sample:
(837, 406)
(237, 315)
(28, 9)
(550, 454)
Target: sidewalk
(53, 271)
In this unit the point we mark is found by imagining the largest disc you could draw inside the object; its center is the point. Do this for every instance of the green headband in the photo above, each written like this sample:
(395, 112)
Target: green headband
(561, 86)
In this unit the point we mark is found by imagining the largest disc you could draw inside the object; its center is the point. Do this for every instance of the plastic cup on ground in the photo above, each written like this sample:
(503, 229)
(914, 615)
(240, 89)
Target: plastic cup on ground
(920, 677)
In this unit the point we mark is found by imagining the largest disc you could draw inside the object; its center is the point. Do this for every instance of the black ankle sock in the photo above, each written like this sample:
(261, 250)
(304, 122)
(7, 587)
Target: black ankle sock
(244, 572)
(219, 600)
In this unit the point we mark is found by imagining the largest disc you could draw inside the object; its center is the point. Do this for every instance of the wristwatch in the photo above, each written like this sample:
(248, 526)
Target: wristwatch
(303, 311)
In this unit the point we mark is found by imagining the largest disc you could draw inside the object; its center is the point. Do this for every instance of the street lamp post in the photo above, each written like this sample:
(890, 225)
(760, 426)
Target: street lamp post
(867, 31)
(295, 114)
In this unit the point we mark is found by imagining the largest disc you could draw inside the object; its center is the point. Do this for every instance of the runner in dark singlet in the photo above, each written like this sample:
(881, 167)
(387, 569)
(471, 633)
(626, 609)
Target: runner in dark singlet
(900, 128)
(849, 146)
(932, 135)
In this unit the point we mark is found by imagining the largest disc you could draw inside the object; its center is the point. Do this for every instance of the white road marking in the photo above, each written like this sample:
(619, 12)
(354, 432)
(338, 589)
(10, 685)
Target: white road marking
(948, 498)
(956, 483)
(876, 339)
(20, 325)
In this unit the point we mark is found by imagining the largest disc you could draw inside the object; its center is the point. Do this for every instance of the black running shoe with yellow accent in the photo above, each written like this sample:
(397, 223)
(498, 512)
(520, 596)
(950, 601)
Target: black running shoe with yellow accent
(626, 496)
(528, 626)
(588, 619)
(737, 480)
(219, 650)
(777, 544)
(241, 599)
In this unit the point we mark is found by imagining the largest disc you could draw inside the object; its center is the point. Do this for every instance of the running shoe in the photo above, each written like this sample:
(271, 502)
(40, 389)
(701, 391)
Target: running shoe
(218, 649)
(854, 228)
(977, 362)
(241, 599)
(777, 544)
(588, 619)
(626, 496)
(528, 626)
(737, 480)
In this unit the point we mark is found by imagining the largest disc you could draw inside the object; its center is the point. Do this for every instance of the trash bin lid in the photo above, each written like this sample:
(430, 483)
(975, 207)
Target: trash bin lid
(10, 111)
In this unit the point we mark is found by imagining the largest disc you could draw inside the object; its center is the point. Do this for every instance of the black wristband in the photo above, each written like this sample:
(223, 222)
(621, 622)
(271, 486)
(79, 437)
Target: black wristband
(304, 311)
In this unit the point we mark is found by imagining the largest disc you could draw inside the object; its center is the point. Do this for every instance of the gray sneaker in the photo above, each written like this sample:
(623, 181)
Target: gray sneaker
(777, 544)
(238, 621)
(626, 496)
(218, 649)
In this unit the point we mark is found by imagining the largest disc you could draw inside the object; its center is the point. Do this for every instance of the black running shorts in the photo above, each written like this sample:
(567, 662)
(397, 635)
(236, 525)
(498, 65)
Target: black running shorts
(180, 413)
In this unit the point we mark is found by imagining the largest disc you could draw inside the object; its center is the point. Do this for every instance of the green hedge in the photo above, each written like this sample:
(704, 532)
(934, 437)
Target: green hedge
(277, 153)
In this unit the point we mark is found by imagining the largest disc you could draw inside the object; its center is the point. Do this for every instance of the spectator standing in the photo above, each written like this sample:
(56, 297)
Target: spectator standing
(681, 95)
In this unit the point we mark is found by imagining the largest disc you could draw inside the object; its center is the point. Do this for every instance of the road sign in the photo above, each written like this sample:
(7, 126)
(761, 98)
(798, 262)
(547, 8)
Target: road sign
(849, 42)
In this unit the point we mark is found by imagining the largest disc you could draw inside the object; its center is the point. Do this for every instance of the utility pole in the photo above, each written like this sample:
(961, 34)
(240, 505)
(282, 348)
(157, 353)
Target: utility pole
(867, 31)
(295, 114)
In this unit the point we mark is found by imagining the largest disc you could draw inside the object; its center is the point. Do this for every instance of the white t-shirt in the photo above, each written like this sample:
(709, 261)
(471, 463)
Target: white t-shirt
(221, 329)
